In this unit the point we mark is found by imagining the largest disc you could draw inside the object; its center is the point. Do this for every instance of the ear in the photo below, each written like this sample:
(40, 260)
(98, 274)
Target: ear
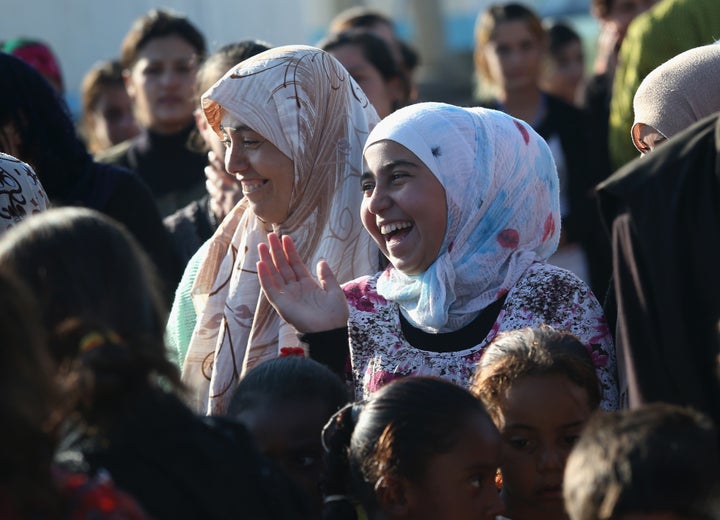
(129, 86)
(395, 496)
(200, 121)
(396, 91)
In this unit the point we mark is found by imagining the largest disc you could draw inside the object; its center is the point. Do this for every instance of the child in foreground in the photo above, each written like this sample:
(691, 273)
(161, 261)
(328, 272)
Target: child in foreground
(420, 448)
(540, 387)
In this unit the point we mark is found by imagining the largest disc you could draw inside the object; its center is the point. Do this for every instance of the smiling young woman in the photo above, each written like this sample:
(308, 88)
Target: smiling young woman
(464, 203)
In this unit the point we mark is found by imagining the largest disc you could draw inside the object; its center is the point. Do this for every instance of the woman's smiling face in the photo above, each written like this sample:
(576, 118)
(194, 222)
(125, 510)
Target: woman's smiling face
(404, 206)
(265, 173)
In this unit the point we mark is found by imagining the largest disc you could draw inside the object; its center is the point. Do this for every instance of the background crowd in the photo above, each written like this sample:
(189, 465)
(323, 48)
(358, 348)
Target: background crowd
(280, 282)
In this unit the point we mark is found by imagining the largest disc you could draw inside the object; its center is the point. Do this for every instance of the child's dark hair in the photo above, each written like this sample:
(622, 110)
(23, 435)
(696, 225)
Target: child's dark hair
(223, 59)
(560, 34)
(395, 433)
(28, 396)
(159, 23)
(99, 302)
(288, 379)
(529, 352)
(659, 458)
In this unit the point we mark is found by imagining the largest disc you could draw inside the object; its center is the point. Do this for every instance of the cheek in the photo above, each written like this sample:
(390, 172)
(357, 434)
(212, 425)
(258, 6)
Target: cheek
(367, 218)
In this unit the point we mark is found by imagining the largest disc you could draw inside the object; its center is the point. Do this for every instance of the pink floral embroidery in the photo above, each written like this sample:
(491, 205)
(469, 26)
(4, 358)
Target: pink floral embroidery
(380, 379)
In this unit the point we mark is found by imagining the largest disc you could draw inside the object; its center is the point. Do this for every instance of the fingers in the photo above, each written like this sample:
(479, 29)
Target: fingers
(270, 279)
(326, 277)
(280, 259)
(296, 263)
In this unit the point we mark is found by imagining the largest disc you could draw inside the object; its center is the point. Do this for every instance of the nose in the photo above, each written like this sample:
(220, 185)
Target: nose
(551, 459)
(235, 159)
(494, 505)
(379, 201)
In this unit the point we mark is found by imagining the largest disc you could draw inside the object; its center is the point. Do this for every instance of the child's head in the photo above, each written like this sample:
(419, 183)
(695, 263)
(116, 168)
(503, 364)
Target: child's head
(419, 448)
(539, 386)
(565, 69)
(659, 461)
(285, 403)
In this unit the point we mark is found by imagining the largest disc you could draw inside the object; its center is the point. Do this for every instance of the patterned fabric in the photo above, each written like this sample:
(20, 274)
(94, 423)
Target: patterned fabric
(304, 102)
(21, 193)
(543, 294)
(501, 187)
(96, 498)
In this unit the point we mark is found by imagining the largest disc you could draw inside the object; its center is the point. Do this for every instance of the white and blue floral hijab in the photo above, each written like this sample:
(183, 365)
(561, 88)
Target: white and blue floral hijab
(501, 186)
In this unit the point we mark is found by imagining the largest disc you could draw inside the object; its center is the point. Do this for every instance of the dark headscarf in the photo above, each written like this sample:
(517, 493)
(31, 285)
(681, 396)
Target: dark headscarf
(664, 213)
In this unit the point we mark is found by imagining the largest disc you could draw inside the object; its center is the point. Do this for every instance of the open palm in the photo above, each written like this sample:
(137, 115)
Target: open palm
(307, 304)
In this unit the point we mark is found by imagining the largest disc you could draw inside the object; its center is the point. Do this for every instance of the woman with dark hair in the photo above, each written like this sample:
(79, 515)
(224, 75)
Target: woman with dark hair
(369, 60)
(36, 127)
(107, 117)
(160, 56)
(104, 320)
(420, 448)
(30, 485)
(510, 45)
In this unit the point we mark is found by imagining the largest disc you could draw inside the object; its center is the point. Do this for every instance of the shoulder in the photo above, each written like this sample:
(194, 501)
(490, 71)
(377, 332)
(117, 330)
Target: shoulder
(116, 154)
(361, 291)
(547, 291)
(189, 215)
(564, 110)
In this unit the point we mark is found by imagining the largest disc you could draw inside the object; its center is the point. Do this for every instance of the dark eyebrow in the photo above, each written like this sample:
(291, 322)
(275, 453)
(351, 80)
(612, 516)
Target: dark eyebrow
(366, 175)
(390, 165)
(240, 128)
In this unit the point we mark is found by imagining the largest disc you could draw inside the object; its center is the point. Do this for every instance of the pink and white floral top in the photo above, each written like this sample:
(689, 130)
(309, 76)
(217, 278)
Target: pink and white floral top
(379, 352)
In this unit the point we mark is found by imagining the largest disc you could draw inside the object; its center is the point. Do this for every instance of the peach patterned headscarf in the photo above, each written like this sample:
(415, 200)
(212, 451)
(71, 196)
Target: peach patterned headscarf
(304, 102)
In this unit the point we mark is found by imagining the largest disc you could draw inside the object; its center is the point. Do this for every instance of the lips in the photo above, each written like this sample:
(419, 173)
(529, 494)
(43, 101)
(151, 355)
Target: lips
(550, 492)
(250, 186)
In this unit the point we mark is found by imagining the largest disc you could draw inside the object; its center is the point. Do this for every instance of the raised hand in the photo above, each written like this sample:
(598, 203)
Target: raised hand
(306, 304)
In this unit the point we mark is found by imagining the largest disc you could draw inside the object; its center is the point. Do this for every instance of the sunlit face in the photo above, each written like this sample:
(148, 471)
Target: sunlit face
(566, 71)
(404, 207)
(161, 82)
(383, 95)
(540, 420)
(646, 138)
(267, 175)
(289, 434)
(112, 120)
(460, 484)
(514, 56)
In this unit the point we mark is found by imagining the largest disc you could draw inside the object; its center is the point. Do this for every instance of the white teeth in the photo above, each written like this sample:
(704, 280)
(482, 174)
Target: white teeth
(389, 228)
(250, 186)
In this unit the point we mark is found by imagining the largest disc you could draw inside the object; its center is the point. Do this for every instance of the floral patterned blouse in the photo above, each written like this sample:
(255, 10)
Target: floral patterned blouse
(379, 352)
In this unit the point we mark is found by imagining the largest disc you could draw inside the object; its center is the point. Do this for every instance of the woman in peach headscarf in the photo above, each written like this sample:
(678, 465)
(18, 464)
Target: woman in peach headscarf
(294, 123)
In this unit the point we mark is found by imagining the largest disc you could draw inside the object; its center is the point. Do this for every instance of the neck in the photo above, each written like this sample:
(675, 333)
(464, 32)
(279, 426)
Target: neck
(522, 103)
(169, 129)
(526, 511)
